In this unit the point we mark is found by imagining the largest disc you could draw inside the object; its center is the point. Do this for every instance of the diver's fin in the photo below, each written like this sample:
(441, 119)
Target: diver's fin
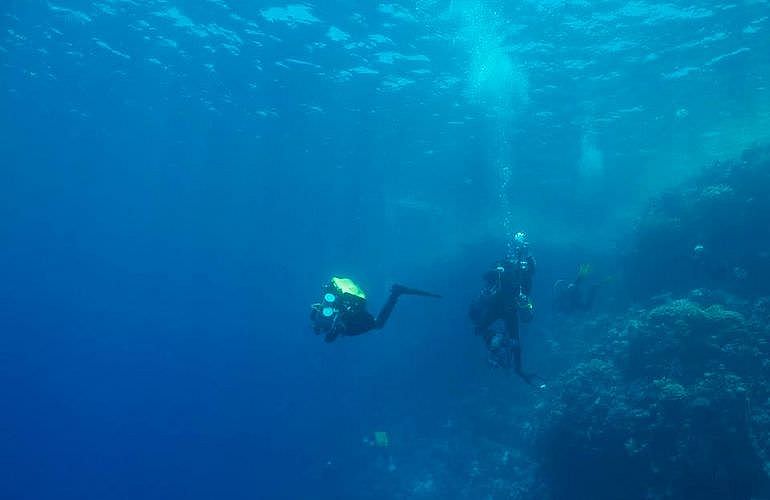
(404, 290)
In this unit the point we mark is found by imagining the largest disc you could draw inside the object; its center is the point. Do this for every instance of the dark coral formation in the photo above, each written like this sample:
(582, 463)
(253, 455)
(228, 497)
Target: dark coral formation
(713, 231)
(672, 400)
(673, 403)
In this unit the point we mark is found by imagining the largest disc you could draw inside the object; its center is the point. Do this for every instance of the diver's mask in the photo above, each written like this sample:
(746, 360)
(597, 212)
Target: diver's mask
(518, 248)
(520, 245)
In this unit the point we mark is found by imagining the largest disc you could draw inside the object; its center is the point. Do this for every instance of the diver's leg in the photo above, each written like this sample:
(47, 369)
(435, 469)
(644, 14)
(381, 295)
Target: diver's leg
(384, 313)
(588, 301)
(401, 289)
(487, 314)
(512, 328)
(497, 346)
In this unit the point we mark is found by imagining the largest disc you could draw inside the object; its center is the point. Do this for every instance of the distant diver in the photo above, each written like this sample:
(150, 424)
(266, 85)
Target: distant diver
(575, 296)
(342, 310)
(506, 296)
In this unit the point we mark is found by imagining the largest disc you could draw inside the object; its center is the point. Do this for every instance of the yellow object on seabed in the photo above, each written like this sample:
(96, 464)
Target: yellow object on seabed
(381, 439)
(346, 285)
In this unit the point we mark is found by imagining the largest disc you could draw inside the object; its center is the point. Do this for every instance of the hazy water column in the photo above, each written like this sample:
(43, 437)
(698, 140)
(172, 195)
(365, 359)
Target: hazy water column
(496, 83)
(503, 157)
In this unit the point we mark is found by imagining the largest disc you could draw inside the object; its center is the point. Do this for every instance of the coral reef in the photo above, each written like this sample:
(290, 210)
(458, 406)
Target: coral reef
(713, 231)
(672, 403)
(672, 400)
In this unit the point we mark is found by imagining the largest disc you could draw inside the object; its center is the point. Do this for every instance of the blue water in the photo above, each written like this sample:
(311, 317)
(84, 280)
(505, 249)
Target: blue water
(179, 178)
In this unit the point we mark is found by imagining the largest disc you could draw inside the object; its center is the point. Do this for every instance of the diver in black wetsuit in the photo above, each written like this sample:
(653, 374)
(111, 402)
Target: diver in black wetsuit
(506, 296)
(343, 309)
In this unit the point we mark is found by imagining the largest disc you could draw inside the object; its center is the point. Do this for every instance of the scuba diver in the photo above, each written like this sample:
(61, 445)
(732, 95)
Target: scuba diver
(506, 296)
(342, 310)
(572, 297)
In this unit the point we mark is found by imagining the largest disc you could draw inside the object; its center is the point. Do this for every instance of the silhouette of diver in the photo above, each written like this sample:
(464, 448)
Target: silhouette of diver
(573, 297)
(506, 296)
(342, 310)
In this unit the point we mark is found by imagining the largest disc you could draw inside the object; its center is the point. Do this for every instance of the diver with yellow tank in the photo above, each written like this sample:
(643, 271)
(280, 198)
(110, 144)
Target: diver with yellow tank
(577, 295)
(342, 310)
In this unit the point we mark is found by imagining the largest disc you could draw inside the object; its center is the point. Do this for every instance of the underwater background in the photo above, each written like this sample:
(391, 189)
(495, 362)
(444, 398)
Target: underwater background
(179, 178)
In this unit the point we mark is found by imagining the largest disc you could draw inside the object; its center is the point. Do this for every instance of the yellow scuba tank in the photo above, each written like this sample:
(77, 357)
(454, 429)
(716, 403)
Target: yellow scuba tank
(348, 286)
(341, 294)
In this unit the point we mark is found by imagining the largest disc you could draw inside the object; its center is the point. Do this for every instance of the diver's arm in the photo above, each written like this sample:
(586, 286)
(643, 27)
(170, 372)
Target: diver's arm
(314, 317)
(492, 276)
